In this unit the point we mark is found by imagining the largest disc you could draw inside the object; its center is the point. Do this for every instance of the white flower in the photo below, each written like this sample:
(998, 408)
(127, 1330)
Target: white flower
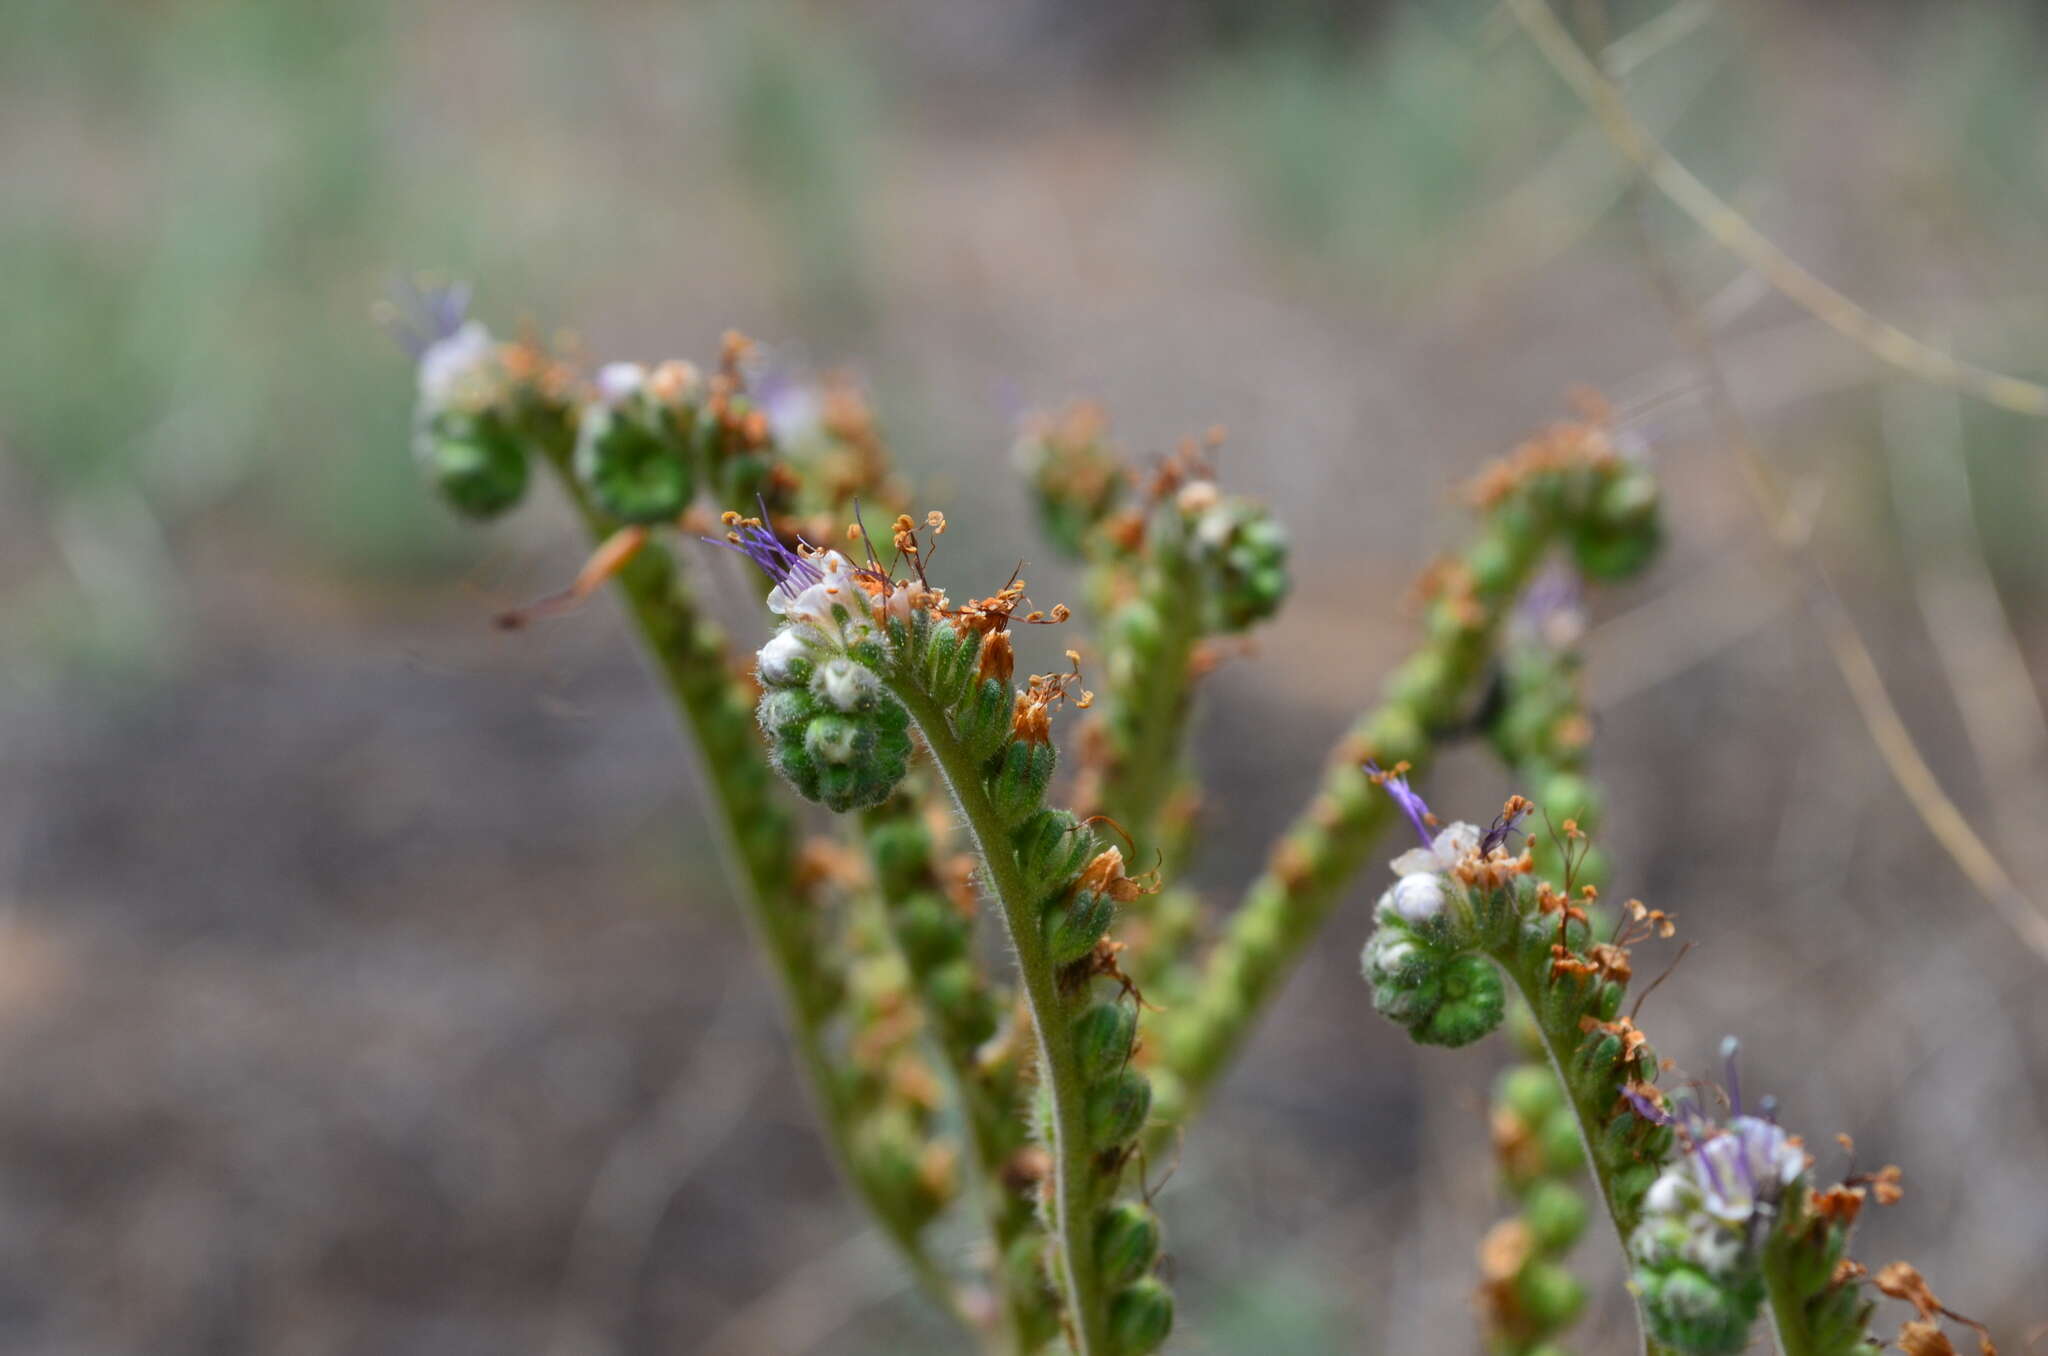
(620, 382)
(778, 658)
(454, 367)
(812, 603)
(1418, 896)
(1747, 1166)
(1668, 1194)
(847, 684)
(1451, 846)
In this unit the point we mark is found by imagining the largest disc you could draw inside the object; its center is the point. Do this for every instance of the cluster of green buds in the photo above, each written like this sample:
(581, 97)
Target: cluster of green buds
(1047, 1084)
(633, 448)
(1465, 897)
(858, 646)
(1424, 972)
(1526, 1292)
(892, 1097)
(1240, 553)
(1717, 1217)
(1077, 481)
(463, 434)
(835, 733)
(1697, 1248)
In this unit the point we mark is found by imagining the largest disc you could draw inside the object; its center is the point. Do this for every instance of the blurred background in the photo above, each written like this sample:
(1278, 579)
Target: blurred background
(364, 983)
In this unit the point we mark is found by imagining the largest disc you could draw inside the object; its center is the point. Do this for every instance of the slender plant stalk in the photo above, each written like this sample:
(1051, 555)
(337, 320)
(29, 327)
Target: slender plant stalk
(1559, 1046)
(1284, 909)
(1149, 715)
(934, 940)
(1073, 1168)
(757, 835)
(1785, 1309)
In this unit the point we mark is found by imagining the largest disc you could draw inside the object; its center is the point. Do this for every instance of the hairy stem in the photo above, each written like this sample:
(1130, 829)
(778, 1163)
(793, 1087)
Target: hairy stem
(1329, 841)
(1785, 1308)
(1073, 1167)
(1147, 709)
(757, 836)
(935, 940)
(1559, 1046)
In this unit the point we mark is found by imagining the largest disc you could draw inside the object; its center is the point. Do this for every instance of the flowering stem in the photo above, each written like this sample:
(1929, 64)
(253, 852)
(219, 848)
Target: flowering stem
(1147, 703)
(1560, 1046)
(965, 1014)
(1786, 1307)
(757, 836)
(1329, 841)
(1074, 1192)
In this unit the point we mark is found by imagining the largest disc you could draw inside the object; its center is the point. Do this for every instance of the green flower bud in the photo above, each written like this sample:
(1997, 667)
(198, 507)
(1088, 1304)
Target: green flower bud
(1555, 1213)
(1622, 530)
(1126, 1242)
(952, 988)
(474, 461)
(1102, 1038)
(1530, 1092)
(1140, 1317)
(1697, 1315)
(1246, 550)
(1074, 478)
(886, 1155)
(631, 460)
(1563, 1150)
(839, 739)
(1116, 1108)
(1474, 1000)
(929, 930)
(1494, 563)
(1074, 925)
(1404, 973)
(1551, 1296)
(1421, 684)
(1019, 782)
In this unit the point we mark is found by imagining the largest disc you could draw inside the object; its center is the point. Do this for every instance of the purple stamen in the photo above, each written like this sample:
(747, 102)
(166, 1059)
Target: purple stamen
(424, 316)
(1497, 833)
(1742, 1156)
(1646, 1108)
(1412, 805)
(1707, 1161)
(788, 570)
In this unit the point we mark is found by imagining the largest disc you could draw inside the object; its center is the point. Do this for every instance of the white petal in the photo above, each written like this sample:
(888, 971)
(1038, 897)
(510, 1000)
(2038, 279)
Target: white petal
(846, 684)
(779, 655)
(1456, 843)
(1416, 859)
(1419, 896)
(617, 382)
(449, 363)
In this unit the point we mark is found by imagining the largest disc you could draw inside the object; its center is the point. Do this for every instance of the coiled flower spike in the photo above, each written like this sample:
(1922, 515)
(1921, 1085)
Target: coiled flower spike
(837, 735)
(1705, 1219)
(461, 434)
(1419, 961)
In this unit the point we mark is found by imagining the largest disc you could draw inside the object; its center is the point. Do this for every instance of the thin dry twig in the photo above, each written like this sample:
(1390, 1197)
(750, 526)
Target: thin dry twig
(1880, 715)
(1732, 231)
(1959, 604)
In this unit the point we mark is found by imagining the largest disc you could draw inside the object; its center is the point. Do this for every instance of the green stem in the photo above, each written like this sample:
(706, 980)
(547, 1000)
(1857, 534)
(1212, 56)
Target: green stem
(1059, 1070)
(1786, 1309)
(1329, 841)
(757, 836)
(1147, 714)
(1557, 1047)
(958, 1024)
